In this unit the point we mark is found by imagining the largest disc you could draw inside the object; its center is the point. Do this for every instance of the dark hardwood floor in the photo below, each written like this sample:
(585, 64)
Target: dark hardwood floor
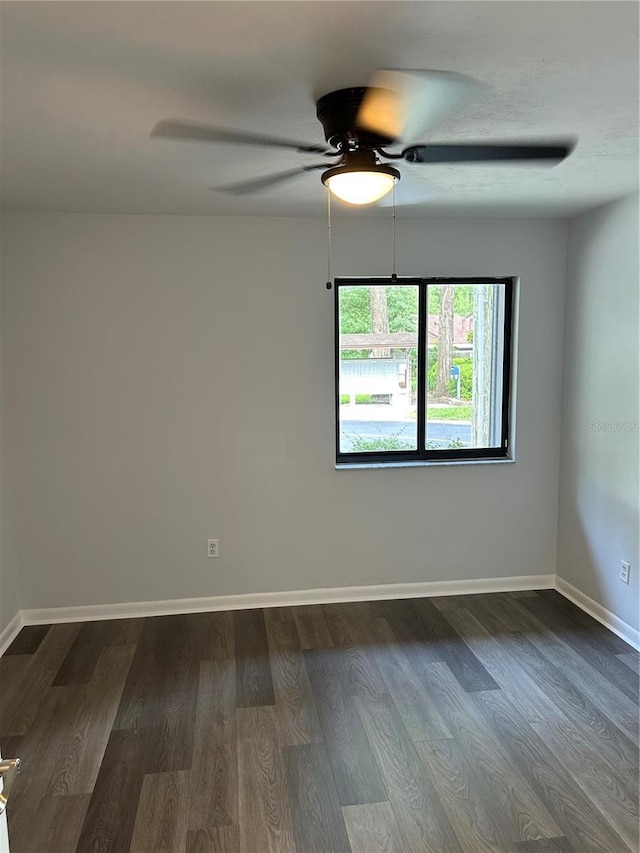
(503, 723)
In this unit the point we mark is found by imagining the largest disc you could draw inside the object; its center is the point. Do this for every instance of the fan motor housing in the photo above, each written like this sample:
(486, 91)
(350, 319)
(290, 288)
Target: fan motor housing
(338, 114)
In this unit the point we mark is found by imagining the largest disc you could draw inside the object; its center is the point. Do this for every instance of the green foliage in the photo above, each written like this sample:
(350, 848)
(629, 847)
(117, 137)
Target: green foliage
(462, 299)
(466, 378)
(432, 377)
(355, 353)
(355, 313)
(359, 444)
(402, 307)
(384, 442)
(355, 310)
(355, 317)
(454, 444)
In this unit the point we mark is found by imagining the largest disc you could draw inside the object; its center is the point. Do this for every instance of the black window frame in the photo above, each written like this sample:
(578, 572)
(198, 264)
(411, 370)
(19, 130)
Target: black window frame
(422, 454)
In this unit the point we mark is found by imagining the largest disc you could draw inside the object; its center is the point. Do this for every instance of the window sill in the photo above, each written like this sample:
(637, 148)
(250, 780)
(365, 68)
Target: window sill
(350, 466)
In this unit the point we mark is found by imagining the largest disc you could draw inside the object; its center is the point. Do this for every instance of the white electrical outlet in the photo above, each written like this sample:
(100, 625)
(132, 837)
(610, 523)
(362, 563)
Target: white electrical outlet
(212, 547)
(625, 571)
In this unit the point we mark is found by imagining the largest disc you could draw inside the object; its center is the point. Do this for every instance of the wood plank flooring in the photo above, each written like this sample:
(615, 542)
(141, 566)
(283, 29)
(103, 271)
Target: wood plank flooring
(504, 723)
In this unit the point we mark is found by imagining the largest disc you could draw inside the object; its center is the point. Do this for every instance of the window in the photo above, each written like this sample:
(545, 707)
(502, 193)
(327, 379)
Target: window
(423, 369)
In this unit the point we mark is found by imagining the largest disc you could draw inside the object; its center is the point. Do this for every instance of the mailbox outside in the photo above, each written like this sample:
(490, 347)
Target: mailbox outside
(455, 374)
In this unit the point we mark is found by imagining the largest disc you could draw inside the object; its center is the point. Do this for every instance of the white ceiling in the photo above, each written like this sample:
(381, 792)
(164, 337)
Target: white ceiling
(83, 83)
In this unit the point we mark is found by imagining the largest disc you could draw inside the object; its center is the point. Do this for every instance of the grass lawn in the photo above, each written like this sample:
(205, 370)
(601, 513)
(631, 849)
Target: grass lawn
(449, 413)
(360, 399)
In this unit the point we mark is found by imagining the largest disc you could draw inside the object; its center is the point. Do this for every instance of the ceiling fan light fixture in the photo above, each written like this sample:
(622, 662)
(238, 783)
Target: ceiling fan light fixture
(360, 185)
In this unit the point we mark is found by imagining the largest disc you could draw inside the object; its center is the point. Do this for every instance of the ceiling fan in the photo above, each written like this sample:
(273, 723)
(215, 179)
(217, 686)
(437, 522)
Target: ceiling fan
(360, 123)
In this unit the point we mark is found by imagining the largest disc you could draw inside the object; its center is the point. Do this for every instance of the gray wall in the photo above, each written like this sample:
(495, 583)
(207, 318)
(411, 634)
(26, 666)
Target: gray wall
(171, 378)
(9, 592)
(599, 515)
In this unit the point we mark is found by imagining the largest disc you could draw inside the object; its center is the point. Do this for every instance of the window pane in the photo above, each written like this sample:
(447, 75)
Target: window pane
(465, 347)
(378, 343)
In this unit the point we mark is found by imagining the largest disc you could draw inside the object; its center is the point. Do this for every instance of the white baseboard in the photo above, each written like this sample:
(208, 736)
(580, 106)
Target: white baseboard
(91, 612)
(606, 617)
(8, 635)
(282, 599)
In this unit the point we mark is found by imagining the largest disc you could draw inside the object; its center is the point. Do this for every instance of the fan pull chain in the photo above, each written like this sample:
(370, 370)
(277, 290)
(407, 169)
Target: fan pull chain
(329, 285)
(394, 277)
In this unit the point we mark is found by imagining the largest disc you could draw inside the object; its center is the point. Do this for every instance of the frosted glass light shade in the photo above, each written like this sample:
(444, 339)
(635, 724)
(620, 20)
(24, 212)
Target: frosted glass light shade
(360, 187)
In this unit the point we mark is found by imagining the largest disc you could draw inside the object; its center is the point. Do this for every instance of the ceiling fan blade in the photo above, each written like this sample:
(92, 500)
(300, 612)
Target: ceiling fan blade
(405, 104)
(193, 131)
(257, 184)
(490, 152)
